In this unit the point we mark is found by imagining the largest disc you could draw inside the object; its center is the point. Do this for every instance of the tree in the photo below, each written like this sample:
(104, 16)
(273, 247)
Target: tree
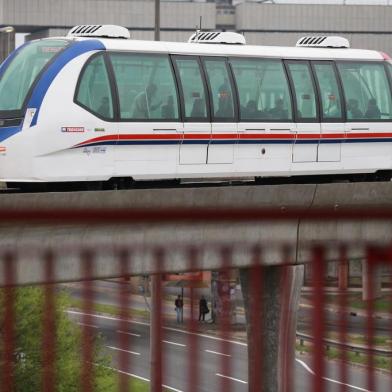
(28, 356)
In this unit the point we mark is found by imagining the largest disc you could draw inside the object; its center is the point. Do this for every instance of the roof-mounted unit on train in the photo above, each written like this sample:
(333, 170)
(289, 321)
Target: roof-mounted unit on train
(323, 42)
(217, 37)
(99, 31)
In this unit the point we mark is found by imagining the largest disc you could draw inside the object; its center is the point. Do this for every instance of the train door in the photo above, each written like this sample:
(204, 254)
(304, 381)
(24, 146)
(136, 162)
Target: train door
(266, 126)
(332, 109)
(149, 116)
(96, 95)
(306, 110)
(369, 111)
(195, 110)
(224, 132)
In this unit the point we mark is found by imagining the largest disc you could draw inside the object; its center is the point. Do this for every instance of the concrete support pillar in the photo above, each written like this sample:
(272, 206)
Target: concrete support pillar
(343, 272)
(371, 281)
(271, 299)
(223, 296)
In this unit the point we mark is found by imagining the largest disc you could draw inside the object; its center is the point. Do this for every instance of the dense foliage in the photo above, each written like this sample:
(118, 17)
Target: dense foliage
(29, 315)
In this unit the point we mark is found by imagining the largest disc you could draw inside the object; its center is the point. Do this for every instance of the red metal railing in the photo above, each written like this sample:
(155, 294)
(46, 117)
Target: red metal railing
(272, 294)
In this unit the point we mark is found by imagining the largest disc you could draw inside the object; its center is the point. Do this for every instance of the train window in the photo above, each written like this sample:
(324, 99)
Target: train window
(331, 101)
(304, 91)
(366, 90)
(24, 69)
(221, 89)
(146, 87)
(263, 90)
(94, 89)
(193, 90)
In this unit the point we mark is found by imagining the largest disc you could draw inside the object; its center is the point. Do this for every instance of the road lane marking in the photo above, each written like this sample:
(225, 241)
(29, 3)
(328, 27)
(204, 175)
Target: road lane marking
(167, 328)
(173, 343)
(231, 378)
(215, 352)
(140, 378)
(129, 333)
(207, 337)
(125, 351)
(106, 317)
(307, 368)
(88, 325)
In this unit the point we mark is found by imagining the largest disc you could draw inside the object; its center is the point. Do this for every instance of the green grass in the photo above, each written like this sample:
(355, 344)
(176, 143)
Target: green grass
(379, 341)
(135, 385)
(361, 359)
(354, 300)
(383, 304)
(109, 309)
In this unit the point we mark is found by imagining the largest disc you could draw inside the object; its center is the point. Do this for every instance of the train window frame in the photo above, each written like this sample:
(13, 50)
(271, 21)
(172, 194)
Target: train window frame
(225, 60)
(388, 71)
(175, 83)
(113, 87)
(342, 118)
(77, 88)
(184, 118)
(289, 90)
(388, 78)
(298, 120)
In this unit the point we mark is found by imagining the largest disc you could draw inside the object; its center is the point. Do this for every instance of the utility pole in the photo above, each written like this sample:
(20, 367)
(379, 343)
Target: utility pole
(157, 34)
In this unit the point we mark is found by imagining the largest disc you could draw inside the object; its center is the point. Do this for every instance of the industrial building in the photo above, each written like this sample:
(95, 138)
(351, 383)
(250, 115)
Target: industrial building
(367, 24)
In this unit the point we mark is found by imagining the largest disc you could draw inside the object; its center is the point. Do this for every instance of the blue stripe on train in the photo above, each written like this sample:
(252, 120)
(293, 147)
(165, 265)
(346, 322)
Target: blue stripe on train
(7, 132)
(69, 53)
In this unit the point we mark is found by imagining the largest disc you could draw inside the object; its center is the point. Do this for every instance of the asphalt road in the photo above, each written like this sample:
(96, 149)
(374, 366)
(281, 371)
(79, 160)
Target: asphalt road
(211, 353)
(106, 292)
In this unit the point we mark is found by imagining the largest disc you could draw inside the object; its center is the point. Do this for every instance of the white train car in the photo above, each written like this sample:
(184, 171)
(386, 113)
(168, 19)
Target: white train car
(98, 106)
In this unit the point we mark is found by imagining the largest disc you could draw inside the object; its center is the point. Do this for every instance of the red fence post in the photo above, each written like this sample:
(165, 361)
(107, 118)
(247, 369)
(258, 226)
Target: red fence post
(291, 284)
(255, 328)
(87, 339)
(193, 354)
(225, 317)
(318, 268)
(49, 327)
(124, 337)
(370, 262)
(9, 323)
(156, 325)
(343, 320)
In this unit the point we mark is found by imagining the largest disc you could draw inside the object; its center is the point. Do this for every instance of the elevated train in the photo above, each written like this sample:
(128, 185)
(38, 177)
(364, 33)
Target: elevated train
(96, 106)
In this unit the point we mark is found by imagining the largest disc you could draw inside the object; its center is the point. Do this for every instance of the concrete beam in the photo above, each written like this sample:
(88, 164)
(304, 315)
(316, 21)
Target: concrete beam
(143, 239)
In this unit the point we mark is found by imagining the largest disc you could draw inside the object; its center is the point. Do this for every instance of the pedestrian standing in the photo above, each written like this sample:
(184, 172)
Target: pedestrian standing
(179, 305)
(203, 308)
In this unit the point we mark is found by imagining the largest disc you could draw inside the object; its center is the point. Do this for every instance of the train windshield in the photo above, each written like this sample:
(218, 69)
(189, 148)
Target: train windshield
(16, 81)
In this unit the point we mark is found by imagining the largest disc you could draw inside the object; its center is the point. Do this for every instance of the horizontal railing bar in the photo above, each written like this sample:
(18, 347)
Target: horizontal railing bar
(192, 215)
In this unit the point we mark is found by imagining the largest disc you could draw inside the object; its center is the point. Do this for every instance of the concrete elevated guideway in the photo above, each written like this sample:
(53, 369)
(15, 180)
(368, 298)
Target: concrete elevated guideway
(271, 315)
(295, 234)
